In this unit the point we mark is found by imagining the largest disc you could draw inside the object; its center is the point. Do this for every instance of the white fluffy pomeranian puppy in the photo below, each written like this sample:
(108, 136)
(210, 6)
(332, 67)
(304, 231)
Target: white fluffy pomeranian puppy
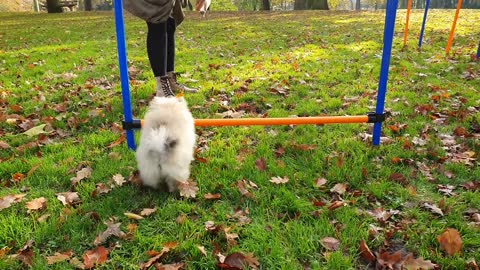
(167, 143)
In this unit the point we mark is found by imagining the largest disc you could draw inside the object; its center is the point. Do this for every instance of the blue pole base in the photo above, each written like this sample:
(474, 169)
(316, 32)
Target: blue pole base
(131, 140)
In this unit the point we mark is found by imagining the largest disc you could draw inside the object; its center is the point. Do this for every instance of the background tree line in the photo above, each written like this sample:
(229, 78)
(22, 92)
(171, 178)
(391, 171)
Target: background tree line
(240, 5)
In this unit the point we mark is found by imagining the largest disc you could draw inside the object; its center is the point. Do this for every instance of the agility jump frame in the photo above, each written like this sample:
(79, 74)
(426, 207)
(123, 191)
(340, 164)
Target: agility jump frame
(452, 30)
(378, 117)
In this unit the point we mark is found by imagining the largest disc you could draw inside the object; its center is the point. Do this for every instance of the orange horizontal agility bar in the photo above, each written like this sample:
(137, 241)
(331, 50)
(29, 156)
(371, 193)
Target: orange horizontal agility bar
(280, 121)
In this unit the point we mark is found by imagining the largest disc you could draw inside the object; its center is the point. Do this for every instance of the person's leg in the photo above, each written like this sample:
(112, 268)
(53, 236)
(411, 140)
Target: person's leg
(176, 87)
(171, 27)
(157, 55)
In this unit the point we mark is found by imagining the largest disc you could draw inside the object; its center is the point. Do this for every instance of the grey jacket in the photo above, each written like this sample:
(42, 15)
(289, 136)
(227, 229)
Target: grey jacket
(155, 11)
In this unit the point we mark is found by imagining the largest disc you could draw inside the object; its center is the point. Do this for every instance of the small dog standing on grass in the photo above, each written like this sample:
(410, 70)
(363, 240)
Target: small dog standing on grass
(167, 143)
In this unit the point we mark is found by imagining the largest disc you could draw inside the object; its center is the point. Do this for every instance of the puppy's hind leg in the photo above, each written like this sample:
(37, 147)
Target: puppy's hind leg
(172, 184)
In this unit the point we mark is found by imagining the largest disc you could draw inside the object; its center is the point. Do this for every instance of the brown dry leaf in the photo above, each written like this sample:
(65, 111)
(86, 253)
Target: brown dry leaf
(252, 261)
(239, 260)
(410, 263)
(155, 257)
(231, 237)
(75, 262)
(472, 264)
(472, 185)
(387, 260)
(112, 229)
(304, 147)
(366, 253)
(132, 228)
(7, 201)
(94, 257)
(261, 164)
(135, 179)
(69, 198)
(242, 216)
(36, 204)
(181, 219)
(4, 251)
(336, 204)
(234, 261)
(133, 216)
(339, 188)
(25, 255)
(330, 243)
(231, 114)
(433, 208)
(4, 145)
(43, 218)
(59, 257)
(148, 211)
(101, 188)
(202, 250)
(18, 177)
(382, 215)
(279, 152)
(118, 141)
(82, 174)
(175, 266)
(210, 196)
(170, 245)
(446, 190)
(279, 180)
(188, 189)
(210, 226)
(450, 241)
(320, 182)
(118, 179)
(399, 178)
(243, 187)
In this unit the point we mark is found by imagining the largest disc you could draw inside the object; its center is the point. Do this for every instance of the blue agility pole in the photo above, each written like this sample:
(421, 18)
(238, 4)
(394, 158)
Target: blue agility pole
(478, 50)
(420, 40)
(122, 60)
(390, 15)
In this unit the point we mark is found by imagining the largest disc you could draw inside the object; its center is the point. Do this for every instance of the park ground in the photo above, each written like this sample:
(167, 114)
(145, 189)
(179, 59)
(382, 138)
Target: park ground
(286, 197)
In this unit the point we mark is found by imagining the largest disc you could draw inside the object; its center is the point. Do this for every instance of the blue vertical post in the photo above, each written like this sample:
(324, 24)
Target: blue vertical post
(122, 60)
(389, 30)
(420, 40)
(478, 50)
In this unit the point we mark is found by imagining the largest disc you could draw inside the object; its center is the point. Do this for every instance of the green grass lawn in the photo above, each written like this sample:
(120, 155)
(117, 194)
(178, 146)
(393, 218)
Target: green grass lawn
(59, 75)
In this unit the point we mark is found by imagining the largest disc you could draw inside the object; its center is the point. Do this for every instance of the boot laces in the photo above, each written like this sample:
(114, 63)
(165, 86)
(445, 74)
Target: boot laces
(166, 88)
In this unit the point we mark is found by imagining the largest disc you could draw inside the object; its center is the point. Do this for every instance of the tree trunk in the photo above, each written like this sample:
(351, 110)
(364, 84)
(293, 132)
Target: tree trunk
(317, 4)
(36, 6)
(88, 5)
(299, 5)
(53, 6)
(357, 5)
(266, 5)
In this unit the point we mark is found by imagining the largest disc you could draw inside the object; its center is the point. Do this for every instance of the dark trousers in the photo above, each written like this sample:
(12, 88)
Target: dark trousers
(161, 46)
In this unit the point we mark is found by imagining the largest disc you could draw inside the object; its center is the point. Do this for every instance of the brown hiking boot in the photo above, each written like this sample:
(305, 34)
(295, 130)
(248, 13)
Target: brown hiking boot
(177, 87)
(164, 89)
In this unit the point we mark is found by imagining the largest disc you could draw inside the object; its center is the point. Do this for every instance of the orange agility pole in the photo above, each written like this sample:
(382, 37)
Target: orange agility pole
(281, 121)
(405, 34)
(317, 120)
(452, 32)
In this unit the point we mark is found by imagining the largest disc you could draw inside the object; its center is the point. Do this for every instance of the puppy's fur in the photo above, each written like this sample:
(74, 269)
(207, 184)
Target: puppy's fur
(167, 143)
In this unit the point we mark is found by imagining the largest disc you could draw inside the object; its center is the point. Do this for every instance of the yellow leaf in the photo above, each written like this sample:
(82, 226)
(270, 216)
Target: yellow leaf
(133, 216)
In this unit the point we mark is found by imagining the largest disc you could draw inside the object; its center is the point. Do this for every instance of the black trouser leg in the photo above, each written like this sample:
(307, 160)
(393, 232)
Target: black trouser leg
(157, 47)
(171, 26)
